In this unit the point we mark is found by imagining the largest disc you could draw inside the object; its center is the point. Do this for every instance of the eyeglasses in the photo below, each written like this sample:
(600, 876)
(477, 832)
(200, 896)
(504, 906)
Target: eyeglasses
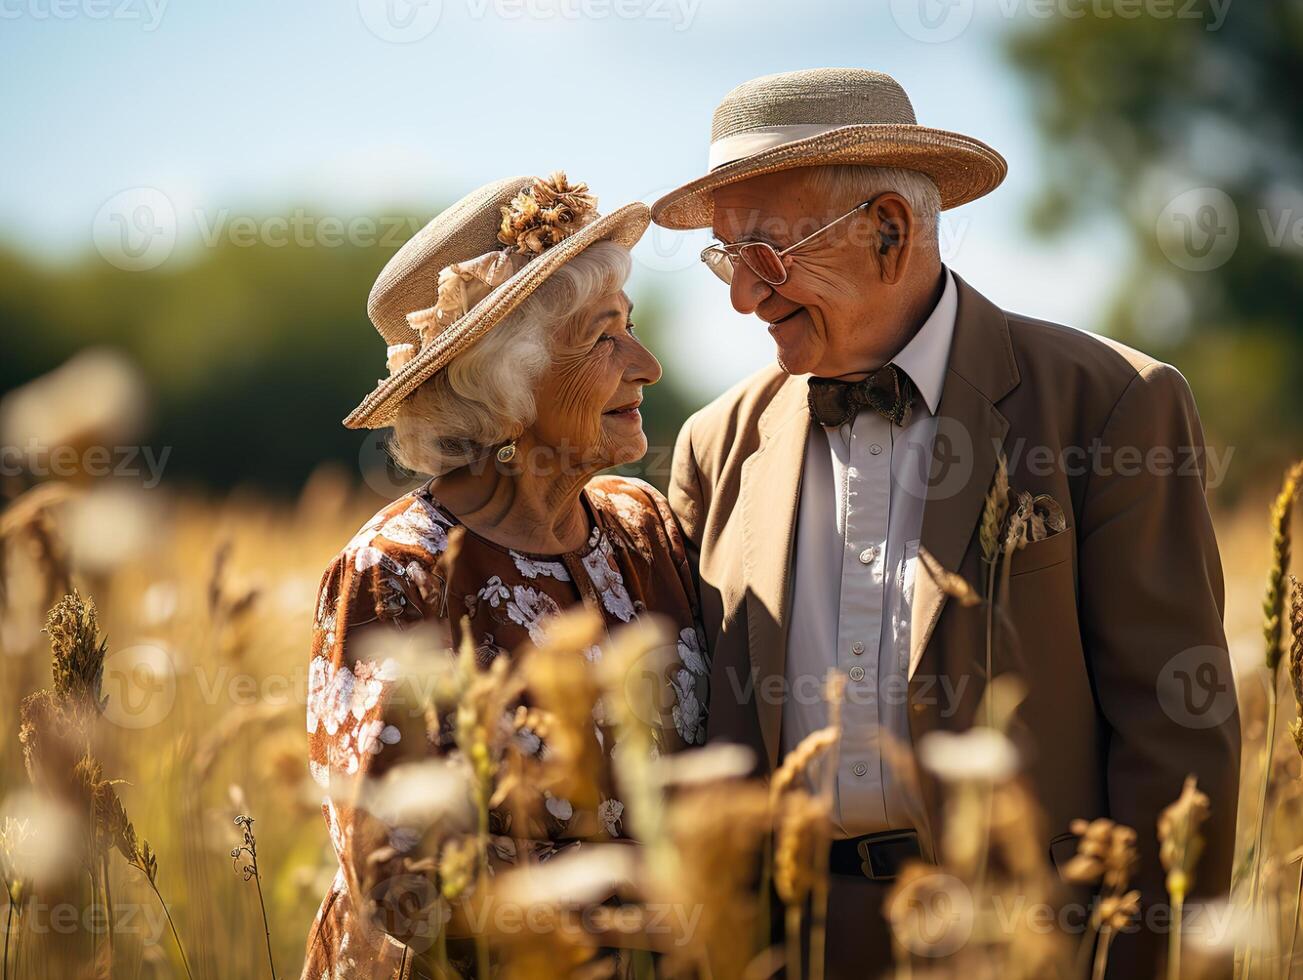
(761, 257)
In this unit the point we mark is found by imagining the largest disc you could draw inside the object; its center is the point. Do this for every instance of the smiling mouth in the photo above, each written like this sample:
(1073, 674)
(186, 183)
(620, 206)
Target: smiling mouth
(625, 411)
(788, 317)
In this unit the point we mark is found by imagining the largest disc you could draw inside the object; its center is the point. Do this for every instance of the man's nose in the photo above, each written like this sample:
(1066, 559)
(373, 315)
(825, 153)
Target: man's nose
(747, 290)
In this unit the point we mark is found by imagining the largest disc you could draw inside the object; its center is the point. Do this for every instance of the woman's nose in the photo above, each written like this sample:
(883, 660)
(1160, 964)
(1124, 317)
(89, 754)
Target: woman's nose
(645, 369)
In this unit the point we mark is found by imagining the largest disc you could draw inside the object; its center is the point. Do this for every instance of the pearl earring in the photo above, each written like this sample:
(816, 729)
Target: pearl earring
(508, 452)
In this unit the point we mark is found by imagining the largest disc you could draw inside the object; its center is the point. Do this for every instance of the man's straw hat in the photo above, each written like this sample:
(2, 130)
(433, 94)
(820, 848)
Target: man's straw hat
(461, 274)
(821, 117)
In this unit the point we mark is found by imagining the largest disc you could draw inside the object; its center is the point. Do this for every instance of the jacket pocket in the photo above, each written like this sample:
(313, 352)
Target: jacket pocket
(1044, 553)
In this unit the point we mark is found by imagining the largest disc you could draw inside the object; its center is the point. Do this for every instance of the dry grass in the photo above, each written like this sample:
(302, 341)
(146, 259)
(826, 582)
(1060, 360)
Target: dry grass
(207, 607)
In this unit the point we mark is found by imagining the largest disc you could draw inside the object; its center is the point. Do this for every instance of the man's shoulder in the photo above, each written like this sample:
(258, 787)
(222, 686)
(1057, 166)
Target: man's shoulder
(1070, 361)
(1047, 340)
(739, 408)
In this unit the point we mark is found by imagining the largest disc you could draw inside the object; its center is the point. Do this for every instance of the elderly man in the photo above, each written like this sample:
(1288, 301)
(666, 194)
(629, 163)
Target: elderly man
(809, 491)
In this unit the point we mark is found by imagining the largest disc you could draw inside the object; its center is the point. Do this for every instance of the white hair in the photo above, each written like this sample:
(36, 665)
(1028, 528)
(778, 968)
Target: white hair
(485, 396)
(852, 184)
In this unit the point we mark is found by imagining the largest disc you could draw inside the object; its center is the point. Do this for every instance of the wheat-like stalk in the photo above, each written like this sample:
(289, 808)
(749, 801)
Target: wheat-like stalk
(1296, 658)
(1106, 855)
(993, 511)
(1282, 510)
(1180, 847)
(1273, 604)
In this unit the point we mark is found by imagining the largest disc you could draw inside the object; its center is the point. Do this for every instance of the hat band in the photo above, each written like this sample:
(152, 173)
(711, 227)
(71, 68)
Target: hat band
(753, 141)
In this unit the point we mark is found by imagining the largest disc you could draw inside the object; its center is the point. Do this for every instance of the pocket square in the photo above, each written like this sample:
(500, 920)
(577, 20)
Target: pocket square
(1046, 518)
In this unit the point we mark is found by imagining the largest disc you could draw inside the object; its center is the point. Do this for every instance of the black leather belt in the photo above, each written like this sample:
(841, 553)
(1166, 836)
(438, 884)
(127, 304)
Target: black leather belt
(878, 857)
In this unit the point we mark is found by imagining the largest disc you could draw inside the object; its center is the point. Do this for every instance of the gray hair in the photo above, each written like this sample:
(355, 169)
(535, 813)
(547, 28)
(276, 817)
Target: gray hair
(854, 184)
(485, 396)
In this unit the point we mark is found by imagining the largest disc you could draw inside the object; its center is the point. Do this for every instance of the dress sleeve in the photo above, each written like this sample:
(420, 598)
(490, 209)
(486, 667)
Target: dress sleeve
(359, 729)
(647, 520)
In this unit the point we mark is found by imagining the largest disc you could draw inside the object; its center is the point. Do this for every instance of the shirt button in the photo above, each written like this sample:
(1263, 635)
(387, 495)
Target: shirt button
(867, 555)
(857, 648)
(857, 673)
(859, 768)
(875, 449)
(917, 706)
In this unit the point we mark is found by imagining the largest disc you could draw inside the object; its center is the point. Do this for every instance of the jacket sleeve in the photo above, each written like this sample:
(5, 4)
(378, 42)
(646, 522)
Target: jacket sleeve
(1152, 603)
(686, 497)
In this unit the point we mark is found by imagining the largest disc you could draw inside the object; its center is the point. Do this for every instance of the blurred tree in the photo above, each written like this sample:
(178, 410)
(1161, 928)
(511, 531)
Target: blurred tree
(1182, 118)
(253, 353)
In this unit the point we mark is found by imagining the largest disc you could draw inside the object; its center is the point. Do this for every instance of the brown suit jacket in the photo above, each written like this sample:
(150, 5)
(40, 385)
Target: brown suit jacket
(1117, 620)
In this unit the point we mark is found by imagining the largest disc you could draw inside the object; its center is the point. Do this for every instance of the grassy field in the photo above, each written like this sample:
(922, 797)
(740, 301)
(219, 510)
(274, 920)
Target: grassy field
(206, 606)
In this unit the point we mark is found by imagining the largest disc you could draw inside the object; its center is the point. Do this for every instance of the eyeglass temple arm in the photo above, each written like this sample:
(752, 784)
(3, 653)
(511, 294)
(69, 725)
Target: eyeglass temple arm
(836, 221)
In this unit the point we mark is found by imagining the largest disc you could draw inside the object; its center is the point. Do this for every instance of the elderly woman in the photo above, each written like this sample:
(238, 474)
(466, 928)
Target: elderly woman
(515, 377)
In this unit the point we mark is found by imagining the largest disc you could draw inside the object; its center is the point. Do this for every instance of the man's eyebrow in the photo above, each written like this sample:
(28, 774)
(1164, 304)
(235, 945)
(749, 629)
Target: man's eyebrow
(755, 236)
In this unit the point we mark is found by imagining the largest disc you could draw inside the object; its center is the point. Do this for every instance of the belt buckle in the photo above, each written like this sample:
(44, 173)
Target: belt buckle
(865, 850)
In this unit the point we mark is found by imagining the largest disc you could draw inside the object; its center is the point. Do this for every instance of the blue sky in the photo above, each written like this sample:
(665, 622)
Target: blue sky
(245, 107)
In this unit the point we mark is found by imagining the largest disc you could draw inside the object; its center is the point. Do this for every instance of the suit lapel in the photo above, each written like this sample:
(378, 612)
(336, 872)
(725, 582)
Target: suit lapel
(771, 486)
(970, 431)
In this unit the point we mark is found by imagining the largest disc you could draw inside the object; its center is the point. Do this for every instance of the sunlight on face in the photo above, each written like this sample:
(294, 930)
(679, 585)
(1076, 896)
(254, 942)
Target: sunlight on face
(831, 289)
(588, 399)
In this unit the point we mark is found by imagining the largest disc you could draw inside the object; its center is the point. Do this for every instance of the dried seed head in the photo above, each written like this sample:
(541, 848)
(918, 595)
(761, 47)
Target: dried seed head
(798, 762)
(1115, 911)
(993, 511)
(801, 831)
(1180, 844)
(1273, 605)
(1296, 657)
(78, 656)
(955, 586)
(459, 860)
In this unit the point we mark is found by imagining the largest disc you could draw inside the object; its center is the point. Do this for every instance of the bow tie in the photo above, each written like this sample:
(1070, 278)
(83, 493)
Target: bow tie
(888, 391)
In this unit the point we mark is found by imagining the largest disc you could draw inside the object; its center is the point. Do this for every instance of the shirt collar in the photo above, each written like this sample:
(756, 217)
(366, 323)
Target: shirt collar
(927, 354)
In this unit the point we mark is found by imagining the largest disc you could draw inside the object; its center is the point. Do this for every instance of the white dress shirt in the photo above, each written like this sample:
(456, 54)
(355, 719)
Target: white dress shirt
(857, 533)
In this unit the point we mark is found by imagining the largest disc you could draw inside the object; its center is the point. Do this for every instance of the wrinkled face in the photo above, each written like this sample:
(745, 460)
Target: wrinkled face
(819, 315)
(588, 399)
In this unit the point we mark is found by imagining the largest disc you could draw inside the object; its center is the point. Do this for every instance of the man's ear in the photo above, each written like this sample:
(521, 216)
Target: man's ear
(893, 221)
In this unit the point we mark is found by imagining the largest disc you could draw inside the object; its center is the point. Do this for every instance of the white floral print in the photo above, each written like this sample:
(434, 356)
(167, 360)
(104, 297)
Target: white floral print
(689, 718)
(609, 813)
(690, 650)
(609, 583)
(530, 608)
(534, 567)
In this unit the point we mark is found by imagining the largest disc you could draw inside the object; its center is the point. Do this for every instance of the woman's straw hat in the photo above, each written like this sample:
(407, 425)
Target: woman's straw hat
(822, 117)
(461, 274)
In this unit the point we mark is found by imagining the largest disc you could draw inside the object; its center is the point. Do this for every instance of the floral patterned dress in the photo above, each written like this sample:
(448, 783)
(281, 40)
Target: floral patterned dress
(395, 576)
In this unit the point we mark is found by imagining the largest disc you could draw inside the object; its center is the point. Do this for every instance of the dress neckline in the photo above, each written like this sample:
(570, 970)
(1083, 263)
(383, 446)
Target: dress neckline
(595, 531)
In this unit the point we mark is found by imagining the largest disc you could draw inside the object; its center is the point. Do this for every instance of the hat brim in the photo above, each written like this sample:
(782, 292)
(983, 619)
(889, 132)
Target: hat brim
(963, 168)
(624, 226)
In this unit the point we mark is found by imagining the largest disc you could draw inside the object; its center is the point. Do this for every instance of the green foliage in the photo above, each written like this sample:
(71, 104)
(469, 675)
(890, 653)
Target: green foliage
(1134, 110)
(253, 353)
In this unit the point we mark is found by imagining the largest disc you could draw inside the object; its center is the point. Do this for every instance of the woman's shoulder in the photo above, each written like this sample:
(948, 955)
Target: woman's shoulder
(389, 569)
(411, 528)
(639, 514)
(628, 499)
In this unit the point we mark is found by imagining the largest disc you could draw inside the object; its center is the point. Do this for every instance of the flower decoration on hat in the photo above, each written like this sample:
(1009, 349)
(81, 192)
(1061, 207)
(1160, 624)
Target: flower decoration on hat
(540, 216)
(545, 213)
